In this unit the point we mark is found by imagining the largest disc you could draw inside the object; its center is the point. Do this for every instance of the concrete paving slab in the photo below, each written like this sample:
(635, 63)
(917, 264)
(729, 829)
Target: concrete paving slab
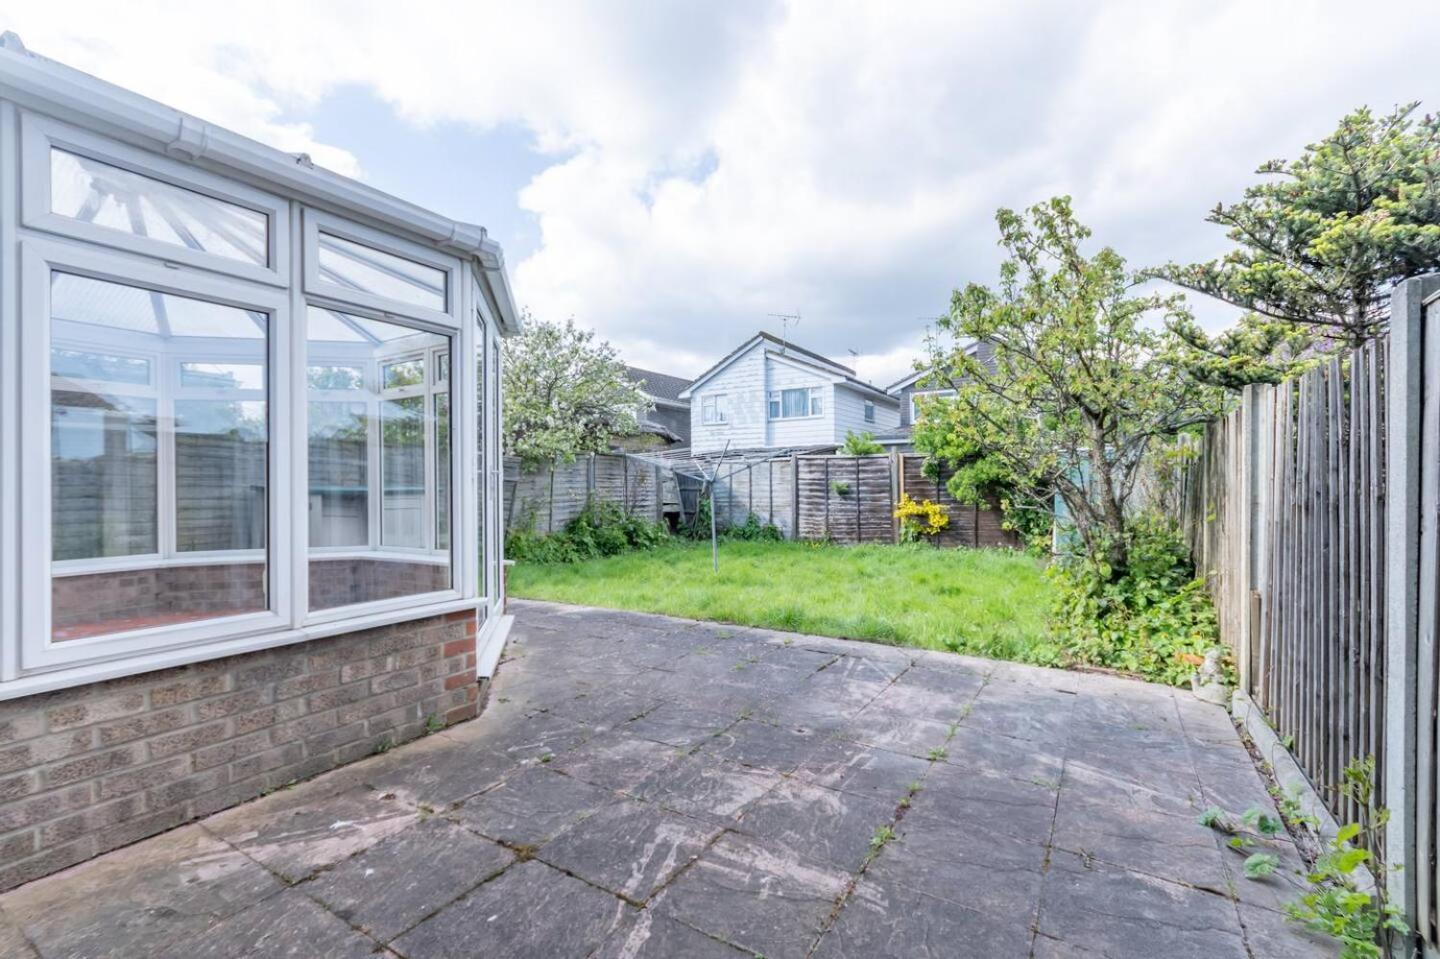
(297, 834)
(408, 877)
(531, 910)
(756, 895)
(1055, 818)
(629, 848)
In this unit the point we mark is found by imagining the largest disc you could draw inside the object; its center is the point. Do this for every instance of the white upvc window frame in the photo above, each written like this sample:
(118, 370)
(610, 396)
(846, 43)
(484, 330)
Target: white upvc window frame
(39, 259)
(310, 290)
(316, 286)
(715, 409)
(943, 394)
(39, 134)
(30, 661)
(869, 411)
(814, 403)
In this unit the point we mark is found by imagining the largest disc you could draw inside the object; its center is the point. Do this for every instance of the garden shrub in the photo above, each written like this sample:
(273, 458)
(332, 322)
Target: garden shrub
(752, 529)
(1153, 618)
(917, 519)
(603, 528)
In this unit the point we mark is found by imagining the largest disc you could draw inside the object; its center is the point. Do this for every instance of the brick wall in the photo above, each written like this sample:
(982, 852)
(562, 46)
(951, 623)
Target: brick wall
(89, 769)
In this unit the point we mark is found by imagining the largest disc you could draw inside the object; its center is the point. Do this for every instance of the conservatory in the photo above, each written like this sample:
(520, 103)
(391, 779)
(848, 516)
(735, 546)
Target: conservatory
(248, 403)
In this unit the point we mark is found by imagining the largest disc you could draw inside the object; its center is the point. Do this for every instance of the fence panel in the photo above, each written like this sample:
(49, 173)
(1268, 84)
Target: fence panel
(546, 498)
(1301, 543)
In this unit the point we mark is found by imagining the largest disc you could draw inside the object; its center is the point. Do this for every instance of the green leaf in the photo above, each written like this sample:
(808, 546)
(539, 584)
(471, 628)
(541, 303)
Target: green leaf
(1348, 832)
(1260, 865)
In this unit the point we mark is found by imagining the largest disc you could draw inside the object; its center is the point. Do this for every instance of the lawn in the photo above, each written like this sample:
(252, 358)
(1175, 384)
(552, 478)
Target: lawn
(983, 602)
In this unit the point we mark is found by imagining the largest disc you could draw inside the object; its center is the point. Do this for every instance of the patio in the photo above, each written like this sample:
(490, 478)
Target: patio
(646, 786)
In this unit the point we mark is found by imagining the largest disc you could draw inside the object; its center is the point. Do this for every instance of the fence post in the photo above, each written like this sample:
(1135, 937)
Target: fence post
(1402, 583)
(897, 470)
(794, 496)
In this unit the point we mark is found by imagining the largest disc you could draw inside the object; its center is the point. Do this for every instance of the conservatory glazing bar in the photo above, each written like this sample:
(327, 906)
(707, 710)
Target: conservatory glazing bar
(257, 403)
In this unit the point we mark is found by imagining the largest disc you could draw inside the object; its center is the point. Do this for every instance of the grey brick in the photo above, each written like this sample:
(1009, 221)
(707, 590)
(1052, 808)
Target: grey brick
(229, 750)
(264, 762)
(389, 681)
(229, 705)
(143, 777)
(186, 740)
(189, 689)
(95, 709)
(335, 738)
(45, 806)
(93, 765)
(48, 861)
(307, 683)
(141, 726)
(181, 791)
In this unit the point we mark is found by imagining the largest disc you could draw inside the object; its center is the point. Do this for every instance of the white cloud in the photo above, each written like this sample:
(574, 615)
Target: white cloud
(713, 164)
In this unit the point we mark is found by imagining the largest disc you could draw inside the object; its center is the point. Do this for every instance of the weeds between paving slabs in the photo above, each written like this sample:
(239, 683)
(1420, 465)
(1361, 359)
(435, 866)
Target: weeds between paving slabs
(1336, 904)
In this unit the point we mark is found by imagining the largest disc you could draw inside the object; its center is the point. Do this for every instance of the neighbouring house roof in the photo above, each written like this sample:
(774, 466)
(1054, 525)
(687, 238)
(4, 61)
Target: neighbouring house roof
(661, 387)
(796, 354)
(982, 349)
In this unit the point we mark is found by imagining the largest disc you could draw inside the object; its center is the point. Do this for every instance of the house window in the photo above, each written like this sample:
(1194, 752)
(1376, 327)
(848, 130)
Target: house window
(796, 403)
(715, 409)
(918, 401)
(869, 412)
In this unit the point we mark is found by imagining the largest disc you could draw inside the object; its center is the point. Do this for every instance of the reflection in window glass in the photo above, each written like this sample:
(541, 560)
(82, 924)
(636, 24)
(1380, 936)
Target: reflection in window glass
(379, 497)
(222, 376)
(220, 446)
(442, 470)
(402, 472)
(108, 196)
(332, 377)
(365, 269)
(339, 474)
(103, 475)
(404, 373)
(101, 367)
(113, 428)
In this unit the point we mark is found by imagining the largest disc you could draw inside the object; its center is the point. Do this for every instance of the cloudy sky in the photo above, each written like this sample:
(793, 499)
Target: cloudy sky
(669, 173)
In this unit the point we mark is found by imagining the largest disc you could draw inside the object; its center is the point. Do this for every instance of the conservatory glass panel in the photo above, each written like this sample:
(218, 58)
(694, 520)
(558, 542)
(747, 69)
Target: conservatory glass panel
(103, 479)
(107, 196)
(114, 428)
(402, 472)
(379, 428)
(442, 470)
(220, 448)
(365, 269)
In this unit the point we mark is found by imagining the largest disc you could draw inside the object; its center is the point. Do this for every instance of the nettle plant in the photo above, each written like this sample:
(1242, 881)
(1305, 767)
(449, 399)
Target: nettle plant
(1338, 902)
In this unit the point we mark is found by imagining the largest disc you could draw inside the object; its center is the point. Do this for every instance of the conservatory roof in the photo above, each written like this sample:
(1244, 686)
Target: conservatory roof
(42, 84)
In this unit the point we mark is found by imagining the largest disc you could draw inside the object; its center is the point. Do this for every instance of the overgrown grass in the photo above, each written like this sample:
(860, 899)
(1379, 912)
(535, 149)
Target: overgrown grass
(983, 602)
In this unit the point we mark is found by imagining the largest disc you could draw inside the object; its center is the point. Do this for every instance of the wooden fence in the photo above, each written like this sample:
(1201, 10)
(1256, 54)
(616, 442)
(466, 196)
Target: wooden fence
(547, 498)
(1314, 511)
(843, 499)
(850, 500)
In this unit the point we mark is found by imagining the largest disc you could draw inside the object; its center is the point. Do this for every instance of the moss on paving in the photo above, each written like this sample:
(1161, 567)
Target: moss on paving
(981, 602)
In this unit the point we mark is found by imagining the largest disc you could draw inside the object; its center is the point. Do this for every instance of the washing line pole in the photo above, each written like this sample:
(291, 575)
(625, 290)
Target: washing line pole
(714, 540)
